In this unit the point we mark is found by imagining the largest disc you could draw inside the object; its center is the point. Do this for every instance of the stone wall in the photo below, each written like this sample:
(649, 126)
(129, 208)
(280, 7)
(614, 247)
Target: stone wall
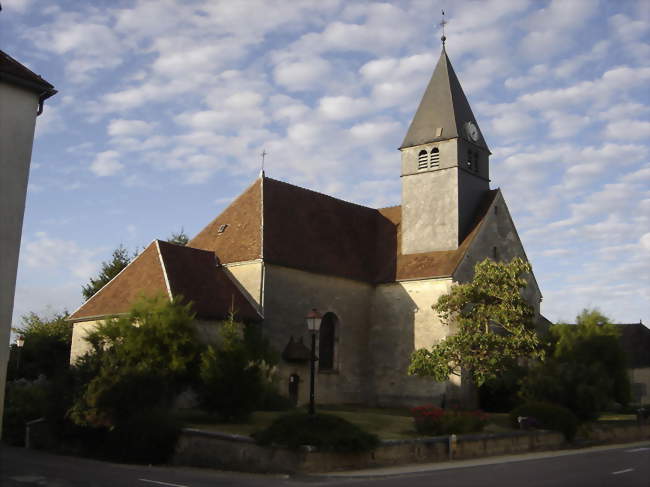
(401, 322)
(289, 295)
(233, 452)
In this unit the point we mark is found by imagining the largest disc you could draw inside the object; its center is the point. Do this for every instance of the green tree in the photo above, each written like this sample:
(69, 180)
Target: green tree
(233, 373)
(119, 260)
(179, 238)
(148, 356)
(586, 370)
(46, 348)
(494, 325)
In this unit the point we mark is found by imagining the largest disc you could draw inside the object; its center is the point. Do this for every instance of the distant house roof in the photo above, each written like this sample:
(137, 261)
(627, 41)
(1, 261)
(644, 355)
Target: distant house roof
(635, 339)
(164, 268)
(294, 227)
(13, 72)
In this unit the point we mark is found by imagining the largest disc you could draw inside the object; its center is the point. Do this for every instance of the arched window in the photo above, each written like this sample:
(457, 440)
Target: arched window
(326, 341)
(435, 157)
(423, 160)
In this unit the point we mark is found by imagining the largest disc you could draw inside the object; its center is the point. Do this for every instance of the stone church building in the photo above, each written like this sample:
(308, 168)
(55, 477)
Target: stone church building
(280, 250)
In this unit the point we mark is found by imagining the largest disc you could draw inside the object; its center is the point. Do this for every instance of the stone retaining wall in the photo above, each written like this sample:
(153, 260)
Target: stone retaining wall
(199, 448)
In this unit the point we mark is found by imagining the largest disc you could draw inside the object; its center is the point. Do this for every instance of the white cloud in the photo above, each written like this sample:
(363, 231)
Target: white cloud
(106, 163)
(46, 253)
(628, 129)
(644, 241)
(343, 107)
(121, 127)
(302, 75)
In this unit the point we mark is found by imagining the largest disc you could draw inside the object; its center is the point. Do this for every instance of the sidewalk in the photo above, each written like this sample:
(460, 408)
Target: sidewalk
(454, 464)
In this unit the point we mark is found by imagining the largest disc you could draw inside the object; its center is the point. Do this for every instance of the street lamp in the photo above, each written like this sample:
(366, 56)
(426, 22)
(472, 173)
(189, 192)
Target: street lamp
(313, 325)
(20, 341)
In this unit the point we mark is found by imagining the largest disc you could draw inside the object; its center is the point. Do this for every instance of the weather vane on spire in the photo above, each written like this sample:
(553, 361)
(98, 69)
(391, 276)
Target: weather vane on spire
(443, 23)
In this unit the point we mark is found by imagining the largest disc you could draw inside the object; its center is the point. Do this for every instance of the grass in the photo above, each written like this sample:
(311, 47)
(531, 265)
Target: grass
(617, 417)
(386, 423)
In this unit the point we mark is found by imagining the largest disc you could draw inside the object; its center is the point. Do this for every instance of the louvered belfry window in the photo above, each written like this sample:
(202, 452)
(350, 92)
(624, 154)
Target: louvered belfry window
(435, 157)
(423, 160)
(428, 160)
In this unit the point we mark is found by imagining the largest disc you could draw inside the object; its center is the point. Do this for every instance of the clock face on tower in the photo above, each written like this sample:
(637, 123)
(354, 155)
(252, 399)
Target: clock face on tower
(472, 131)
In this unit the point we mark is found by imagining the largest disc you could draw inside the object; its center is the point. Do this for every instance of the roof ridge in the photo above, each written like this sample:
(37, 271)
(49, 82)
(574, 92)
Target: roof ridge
(324, 194)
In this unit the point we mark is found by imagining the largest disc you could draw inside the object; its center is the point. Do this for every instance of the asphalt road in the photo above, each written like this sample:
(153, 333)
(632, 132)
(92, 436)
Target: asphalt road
(625, 466)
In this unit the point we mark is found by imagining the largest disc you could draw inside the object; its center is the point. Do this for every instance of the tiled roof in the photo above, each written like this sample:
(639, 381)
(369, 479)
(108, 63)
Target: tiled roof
(240, 239)
(193, 274)
(14, 72)
(190, 273)
(311, 231)
(143, 276)
(301, 229)
(635, 339)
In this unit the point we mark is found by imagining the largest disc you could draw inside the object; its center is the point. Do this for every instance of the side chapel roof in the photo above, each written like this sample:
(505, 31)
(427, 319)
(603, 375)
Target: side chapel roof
(443, 110)
(163, 269)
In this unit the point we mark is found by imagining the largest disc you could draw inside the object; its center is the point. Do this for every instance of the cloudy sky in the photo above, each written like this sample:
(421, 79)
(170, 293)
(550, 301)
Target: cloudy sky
(165, 105)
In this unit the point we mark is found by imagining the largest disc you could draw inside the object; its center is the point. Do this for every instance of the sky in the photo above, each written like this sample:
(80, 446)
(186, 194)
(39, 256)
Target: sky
(164, 107)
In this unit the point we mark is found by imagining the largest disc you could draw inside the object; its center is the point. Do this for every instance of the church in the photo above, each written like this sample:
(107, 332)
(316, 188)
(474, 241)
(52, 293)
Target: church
(279, 250)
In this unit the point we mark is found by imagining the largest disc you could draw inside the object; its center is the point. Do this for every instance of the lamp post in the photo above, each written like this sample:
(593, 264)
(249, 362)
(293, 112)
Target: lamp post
(313, 325)
(20, 341)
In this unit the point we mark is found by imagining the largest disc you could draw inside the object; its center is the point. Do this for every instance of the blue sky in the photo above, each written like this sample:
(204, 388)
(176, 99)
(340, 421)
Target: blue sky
(164, 107)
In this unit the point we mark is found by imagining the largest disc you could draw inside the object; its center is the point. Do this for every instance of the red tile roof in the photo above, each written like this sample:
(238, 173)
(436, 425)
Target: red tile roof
(288, 226)
(192, 274)
(311, 231)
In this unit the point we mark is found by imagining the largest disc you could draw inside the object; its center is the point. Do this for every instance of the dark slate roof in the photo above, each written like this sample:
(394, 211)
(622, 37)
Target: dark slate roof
(444, 106)
(635, 339)
(310, 231)
(192, 274)
(13, 72)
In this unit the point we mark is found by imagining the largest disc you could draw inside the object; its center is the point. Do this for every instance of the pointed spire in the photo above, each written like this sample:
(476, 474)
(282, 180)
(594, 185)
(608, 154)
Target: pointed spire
(444, 110)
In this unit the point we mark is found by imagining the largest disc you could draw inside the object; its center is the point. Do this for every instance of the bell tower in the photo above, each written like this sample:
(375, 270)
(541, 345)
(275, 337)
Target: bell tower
(445, 166)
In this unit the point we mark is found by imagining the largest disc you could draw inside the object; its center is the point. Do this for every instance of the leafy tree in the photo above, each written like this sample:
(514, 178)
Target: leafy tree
(233, 373)
(147, 356)
(586, 370)
(119, 260)
(46, 348)
(494, 323)
(179, 238)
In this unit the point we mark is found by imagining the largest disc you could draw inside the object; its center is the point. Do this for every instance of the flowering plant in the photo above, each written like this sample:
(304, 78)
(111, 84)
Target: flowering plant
(432, 420)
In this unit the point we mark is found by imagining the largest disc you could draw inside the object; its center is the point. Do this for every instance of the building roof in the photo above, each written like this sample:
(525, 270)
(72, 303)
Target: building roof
(635, 339)
(294, 227)
(443, 110)
(164, 268)
(13, 72)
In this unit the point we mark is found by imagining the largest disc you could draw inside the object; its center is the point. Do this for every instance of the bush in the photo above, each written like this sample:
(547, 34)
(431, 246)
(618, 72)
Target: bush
(324, 431)
(431, 420)
(149, 437)
(24, 402)
(547, 416)
(272, 400)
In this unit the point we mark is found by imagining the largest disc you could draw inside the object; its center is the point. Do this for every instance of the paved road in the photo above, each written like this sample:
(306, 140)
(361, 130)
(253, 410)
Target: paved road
(624, 466)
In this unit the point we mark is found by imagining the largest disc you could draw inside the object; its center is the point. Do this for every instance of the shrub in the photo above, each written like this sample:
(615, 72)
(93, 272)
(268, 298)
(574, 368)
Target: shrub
(148, 436)
(431, 420)
(24, 402)
(547, 416)
(324, 431)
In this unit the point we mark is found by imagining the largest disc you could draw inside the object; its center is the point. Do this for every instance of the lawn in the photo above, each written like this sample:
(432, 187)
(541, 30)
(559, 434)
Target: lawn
(388, 424)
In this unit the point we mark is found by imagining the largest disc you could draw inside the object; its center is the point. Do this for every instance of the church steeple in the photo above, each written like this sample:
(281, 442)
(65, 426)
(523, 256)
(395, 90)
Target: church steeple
(444, 112)
(445, 167)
